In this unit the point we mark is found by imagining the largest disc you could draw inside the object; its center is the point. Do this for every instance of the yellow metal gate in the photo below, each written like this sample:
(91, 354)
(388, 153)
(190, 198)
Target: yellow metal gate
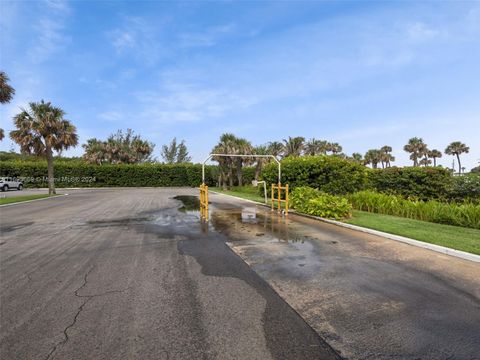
(204, 202)
(277, 201)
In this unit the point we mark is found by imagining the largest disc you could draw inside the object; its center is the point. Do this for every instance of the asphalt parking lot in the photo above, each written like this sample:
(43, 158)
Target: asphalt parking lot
(132, 273)
(123, 274)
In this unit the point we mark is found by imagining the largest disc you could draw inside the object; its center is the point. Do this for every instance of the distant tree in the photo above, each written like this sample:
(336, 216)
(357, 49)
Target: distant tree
(434, 154)
(42, 129)
(175, 153)
(226, 145)
(417, 148)
(385, 156)
(119, 148)
(182, 154)
(312, 147)
(294, 145)
(425, 162)
(95, 151)
(242, 147)
(2, 134)
(276, 148)
(373, 156)
(475, 170)
(457, 148)
(357, 157)
(335, 148)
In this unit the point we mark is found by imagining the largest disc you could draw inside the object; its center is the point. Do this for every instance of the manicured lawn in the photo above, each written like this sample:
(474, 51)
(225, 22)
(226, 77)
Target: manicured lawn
(455, 237)
(244, 192)
(15, 199)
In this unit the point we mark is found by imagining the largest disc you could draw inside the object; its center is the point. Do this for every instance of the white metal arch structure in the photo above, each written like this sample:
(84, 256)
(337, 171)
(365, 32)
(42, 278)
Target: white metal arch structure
(240, 155)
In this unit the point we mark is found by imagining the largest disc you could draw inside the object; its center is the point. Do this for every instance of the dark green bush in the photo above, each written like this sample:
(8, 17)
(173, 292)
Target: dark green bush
(327, 173)
(311, 201)
(421, 182)
(465, 188)
(79, 174)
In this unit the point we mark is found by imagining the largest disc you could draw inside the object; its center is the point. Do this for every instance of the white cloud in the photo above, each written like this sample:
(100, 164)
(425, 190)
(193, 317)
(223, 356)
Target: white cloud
(206, 38)
(419, 32)
(49, 29)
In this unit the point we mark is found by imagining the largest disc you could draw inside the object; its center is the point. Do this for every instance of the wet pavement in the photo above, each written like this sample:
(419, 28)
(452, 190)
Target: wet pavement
(132, 273)
(368, 297)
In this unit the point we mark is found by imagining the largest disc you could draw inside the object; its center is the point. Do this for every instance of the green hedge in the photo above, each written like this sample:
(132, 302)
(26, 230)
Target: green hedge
(327, 173)
(421, 182)
(85, 175)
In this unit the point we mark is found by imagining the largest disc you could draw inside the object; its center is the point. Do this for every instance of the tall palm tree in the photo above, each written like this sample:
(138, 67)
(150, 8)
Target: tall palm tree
(226, 145)
(416, 147)
(434, 154)
(294, 145)
(276, 148)
(242, 146)
(41, 129)
(6, 94)
(457, 148)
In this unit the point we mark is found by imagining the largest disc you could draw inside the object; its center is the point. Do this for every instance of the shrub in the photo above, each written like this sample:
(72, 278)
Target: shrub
(313, 202)
(421, 182)
(79, 174)
(465, 188)
(467, 214)
(330, 174)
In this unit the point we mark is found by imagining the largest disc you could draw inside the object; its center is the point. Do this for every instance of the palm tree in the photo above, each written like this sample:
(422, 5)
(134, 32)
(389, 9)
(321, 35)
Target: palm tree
(294, 145)
(276, 148)
(312, 147)
(95, 151)
(242, 146)
(373, 156)
(416, 147)
(457, 148)
(425, 162)
(357, 157)
(386, 156)
(335, 148)
(434, 154)
(260, 150)
(6, 91)
(41, 129)
(6, 94)
(226, 145)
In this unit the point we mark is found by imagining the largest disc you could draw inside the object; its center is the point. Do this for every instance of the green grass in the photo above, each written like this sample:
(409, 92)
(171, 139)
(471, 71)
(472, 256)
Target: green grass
(244, 192)
(15, 199)
(455, 237)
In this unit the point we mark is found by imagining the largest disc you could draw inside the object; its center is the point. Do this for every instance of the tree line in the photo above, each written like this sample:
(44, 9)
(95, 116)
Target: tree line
(41, 129)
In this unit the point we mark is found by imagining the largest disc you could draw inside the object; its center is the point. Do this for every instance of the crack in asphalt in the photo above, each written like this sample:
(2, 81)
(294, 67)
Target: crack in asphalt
(80, 309)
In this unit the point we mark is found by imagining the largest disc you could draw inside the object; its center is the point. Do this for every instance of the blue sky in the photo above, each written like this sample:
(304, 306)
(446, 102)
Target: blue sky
(364, 74)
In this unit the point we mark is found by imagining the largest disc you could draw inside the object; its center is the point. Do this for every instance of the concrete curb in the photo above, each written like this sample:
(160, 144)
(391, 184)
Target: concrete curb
(29, 201)
(441, 249)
